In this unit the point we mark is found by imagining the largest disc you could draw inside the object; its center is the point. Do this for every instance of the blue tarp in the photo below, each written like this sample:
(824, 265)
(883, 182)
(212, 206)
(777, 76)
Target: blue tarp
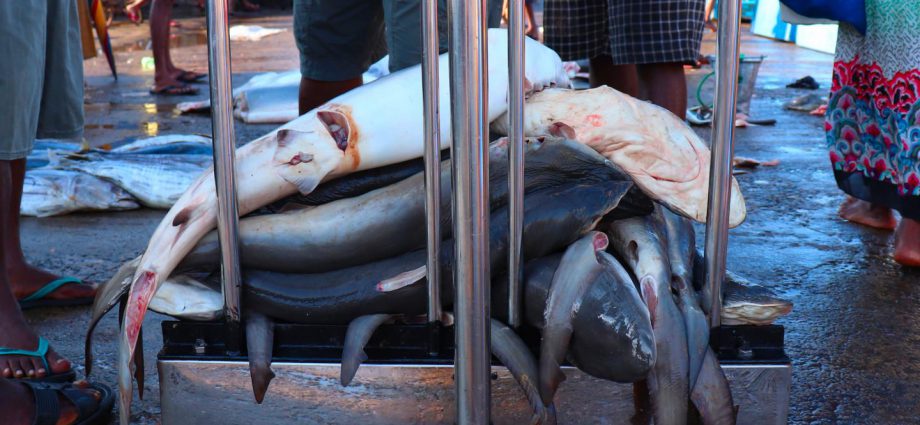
(852, 12)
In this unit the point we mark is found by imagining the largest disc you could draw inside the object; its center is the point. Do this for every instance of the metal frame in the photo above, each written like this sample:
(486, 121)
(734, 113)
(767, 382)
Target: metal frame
(469, 88)
(224, 141)
(470, 176)
(723, 137)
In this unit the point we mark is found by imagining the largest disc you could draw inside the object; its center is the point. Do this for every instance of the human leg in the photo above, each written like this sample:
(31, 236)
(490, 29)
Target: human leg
(165, 74)
(14, 331)
(314, 93)
(47, 104)
(621, 77)
(664, 84)
(24, 278)
(337, 41)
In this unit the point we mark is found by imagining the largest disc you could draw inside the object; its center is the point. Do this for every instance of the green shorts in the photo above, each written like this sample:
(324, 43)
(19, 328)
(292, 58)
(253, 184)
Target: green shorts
(41, 74)
(340, 39)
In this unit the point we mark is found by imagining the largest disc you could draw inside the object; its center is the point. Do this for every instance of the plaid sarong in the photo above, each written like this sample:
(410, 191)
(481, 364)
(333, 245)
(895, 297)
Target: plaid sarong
(631, 31)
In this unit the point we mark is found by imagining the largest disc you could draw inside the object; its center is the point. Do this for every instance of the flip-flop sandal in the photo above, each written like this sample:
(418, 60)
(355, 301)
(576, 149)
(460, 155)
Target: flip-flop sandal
(48, 405)
(175, 90)
(38, 298)
(42, 353)
(190, 77)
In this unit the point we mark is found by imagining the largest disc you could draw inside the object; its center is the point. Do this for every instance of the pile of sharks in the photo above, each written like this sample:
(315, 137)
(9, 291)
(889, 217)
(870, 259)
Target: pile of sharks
(333, 207)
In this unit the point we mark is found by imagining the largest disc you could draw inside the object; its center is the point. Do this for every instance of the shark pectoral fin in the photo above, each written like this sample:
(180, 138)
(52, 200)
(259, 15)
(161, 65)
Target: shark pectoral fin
(304, 159)
(358, 334)
(260, 338)
(350, 368)
(402, 280)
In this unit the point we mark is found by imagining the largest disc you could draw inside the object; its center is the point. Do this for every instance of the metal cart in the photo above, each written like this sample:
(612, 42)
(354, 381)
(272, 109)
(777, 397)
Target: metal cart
(430, 373)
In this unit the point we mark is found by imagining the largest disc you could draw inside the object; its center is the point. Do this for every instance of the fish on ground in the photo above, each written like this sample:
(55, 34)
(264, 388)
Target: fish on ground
(665, 157)
(49, 192)
(161, 141)
(156, 180)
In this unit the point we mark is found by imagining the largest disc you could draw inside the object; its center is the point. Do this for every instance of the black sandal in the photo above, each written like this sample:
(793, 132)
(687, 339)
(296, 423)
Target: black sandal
(190, 77)
(48, 404)
(175, 90)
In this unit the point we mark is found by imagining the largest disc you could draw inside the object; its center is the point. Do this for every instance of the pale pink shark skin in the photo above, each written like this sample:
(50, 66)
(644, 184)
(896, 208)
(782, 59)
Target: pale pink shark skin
(371, 126)
(667, 160)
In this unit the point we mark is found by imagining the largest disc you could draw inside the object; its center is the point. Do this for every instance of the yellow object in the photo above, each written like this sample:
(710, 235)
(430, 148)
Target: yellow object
(86, 30)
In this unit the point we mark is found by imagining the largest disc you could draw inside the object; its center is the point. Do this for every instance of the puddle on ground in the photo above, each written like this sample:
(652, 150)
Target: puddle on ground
(176, 39)
(166, 110)
(149, 128)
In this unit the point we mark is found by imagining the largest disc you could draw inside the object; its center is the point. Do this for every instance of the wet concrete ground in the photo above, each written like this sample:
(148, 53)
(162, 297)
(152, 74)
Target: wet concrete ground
(852, 336)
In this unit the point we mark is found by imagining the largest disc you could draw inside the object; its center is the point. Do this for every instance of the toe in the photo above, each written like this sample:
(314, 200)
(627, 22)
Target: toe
(38, 368)
(27, 367)
(57, 363)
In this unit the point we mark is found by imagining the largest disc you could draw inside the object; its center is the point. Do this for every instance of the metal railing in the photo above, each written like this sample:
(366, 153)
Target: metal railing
(224, 141)
(469, 88)
(722, 145)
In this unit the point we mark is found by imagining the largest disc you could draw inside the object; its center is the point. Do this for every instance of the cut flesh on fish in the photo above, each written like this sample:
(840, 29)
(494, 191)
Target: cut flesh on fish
(664, 156)
(365, 128)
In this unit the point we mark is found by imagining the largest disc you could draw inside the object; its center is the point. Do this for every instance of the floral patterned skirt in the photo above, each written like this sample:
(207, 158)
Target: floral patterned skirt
(873, 116)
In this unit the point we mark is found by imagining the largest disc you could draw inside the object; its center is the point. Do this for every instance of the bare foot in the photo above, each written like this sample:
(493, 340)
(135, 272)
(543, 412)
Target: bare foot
(16, 334)
(907, 243)
(862, 212)
(25, 279)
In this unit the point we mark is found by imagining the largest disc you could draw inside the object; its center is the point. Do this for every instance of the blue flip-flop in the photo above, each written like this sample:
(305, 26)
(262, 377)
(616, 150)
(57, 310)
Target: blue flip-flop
(42, 353)
(38, 298)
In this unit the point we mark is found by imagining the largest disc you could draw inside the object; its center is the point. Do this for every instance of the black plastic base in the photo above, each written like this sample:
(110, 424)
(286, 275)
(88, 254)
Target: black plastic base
(419, 344)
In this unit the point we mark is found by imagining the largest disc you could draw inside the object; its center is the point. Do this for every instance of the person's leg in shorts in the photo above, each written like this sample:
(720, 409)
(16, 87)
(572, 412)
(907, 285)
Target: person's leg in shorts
(337, 41)
(404, 29)
(43, 97)
(579, 29)
(658, 37)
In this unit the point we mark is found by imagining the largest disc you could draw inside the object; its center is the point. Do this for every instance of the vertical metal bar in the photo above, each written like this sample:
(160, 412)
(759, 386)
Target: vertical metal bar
(516, 157)
(430, 102)
(224, 157)
(723, 136)
(470, 168)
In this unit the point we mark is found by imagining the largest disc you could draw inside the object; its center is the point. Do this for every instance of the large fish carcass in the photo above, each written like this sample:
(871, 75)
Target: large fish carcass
(595, 307)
